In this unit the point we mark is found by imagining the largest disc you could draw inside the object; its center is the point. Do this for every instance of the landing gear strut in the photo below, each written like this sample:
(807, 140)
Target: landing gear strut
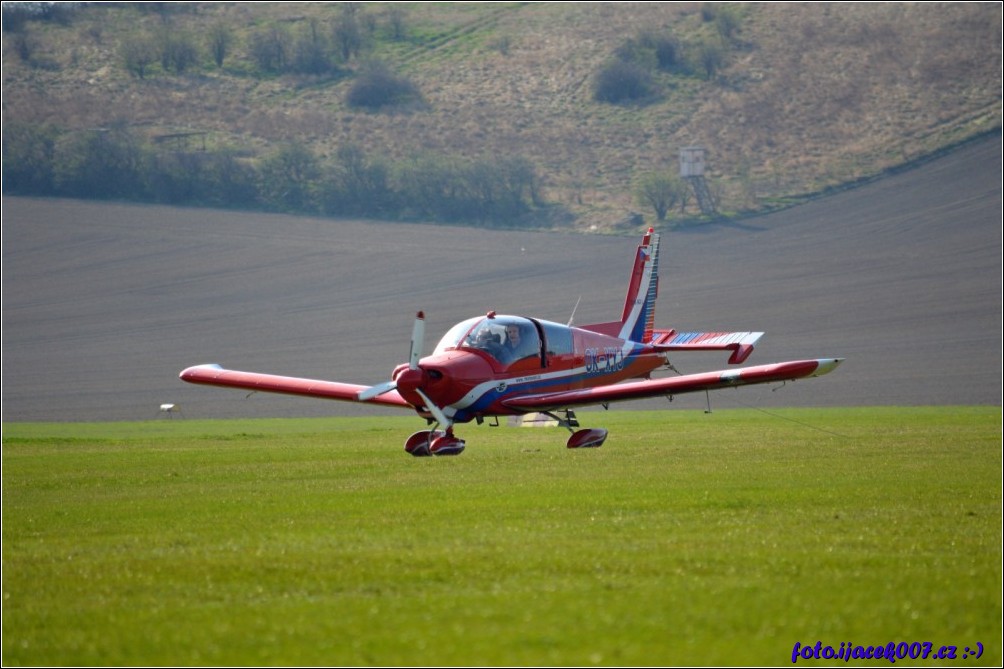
(444, 442)
(587, 438)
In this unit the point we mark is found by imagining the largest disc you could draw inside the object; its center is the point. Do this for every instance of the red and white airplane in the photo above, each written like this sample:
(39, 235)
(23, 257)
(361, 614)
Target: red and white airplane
(496, 365)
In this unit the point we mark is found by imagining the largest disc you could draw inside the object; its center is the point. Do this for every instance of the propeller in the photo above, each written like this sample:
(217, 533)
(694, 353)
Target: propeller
(417, 342)
(413, 376)
(417, 339)
(377, 390)
(436, 412)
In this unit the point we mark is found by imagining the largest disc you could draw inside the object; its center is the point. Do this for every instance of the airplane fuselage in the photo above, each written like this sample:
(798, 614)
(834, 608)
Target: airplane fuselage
(470, 375)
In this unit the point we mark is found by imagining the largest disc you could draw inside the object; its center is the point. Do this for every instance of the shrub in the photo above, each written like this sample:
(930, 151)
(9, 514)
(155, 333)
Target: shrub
(620, 82)
(356, 185)
(668, 54)
(497, 189)
(288, 178)
(28, 156)
(727, 22)
(376, 87)
(100, 164)
(16, 16)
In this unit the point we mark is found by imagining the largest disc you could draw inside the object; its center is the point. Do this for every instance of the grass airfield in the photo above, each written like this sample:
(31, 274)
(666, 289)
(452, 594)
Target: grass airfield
(688, 539)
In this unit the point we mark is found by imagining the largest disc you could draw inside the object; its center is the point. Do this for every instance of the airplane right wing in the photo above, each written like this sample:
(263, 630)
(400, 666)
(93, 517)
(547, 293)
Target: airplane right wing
(674, 385)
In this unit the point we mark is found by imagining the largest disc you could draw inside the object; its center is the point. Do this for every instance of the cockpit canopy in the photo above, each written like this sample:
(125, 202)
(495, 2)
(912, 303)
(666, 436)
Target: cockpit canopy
(505, 338)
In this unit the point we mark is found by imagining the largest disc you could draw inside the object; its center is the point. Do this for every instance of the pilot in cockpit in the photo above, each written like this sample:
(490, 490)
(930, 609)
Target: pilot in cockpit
(513, 346)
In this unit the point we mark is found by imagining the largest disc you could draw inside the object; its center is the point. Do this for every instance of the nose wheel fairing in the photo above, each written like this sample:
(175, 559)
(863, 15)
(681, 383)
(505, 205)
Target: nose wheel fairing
(434, 442)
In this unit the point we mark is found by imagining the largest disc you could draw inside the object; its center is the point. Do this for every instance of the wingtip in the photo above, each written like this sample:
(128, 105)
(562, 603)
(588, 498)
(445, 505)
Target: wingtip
(188, 372)
(827, 365)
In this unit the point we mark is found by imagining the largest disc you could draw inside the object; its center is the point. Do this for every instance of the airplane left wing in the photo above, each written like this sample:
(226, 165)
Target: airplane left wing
(214, 375)
(674, 385)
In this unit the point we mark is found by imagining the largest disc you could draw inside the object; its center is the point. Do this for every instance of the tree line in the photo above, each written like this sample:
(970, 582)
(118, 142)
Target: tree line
(118, 164)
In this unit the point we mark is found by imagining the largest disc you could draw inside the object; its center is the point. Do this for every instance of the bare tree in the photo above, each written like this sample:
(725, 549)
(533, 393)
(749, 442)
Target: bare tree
(138, 53)
(711, 55)
(396, 17)
(661, 191)
(177, 51)
(347, 36)
(270, 49)
(311, 53)
(220, 39)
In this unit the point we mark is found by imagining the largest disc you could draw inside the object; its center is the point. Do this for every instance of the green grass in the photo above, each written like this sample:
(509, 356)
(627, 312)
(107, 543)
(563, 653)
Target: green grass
(687, 539)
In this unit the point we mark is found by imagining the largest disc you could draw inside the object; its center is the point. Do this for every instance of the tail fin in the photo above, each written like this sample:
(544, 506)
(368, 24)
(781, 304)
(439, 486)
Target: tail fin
(638, 318)
(637, 321)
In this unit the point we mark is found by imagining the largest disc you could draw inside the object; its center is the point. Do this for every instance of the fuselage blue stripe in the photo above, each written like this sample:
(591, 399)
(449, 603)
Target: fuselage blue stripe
(483, 404)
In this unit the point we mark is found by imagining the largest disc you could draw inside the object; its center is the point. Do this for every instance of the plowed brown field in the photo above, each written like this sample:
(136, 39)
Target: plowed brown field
(103, 304)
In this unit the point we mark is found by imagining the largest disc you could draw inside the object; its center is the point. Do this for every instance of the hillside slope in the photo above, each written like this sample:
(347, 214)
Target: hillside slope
(806, 97)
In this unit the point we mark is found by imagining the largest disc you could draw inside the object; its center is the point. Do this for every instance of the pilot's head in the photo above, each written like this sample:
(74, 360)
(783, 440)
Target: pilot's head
(512, 332)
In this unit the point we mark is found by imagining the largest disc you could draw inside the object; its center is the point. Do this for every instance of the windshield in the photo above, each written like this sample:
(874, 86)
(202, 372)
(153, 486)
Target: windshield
(505, 338)
(455, 335)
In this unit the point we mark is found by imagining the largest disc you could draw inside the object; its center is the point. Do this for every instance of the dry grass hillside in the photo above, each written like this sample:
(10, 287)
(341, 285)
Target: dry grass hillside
(805, 97)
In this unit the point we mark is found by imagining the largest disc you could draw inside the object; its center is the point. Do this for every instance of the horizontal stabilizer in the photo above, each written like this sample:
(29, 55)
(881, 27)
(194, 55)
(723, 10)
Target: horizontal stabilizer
(740, 343)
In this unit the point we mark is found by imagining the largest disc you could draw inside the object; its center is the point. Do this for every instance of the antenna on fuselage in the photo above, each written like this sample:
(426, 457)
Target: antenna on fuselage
(571, 318)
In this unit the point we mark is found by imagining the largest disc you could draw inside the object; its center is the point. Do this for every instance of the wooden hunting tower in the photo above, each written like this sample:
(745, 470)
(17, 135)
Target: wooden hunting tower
(692, 169)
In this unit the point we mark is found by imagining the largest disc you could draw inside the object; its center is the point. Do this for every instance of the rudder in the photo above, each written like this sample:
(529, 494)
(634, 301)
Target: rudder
(638, 317)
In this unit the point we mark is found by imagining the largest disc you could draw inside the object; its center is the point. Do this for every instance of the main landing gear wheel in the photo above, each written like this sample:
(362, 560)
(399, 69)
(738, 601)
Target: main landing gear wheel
(434, 442)
(587, 438)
